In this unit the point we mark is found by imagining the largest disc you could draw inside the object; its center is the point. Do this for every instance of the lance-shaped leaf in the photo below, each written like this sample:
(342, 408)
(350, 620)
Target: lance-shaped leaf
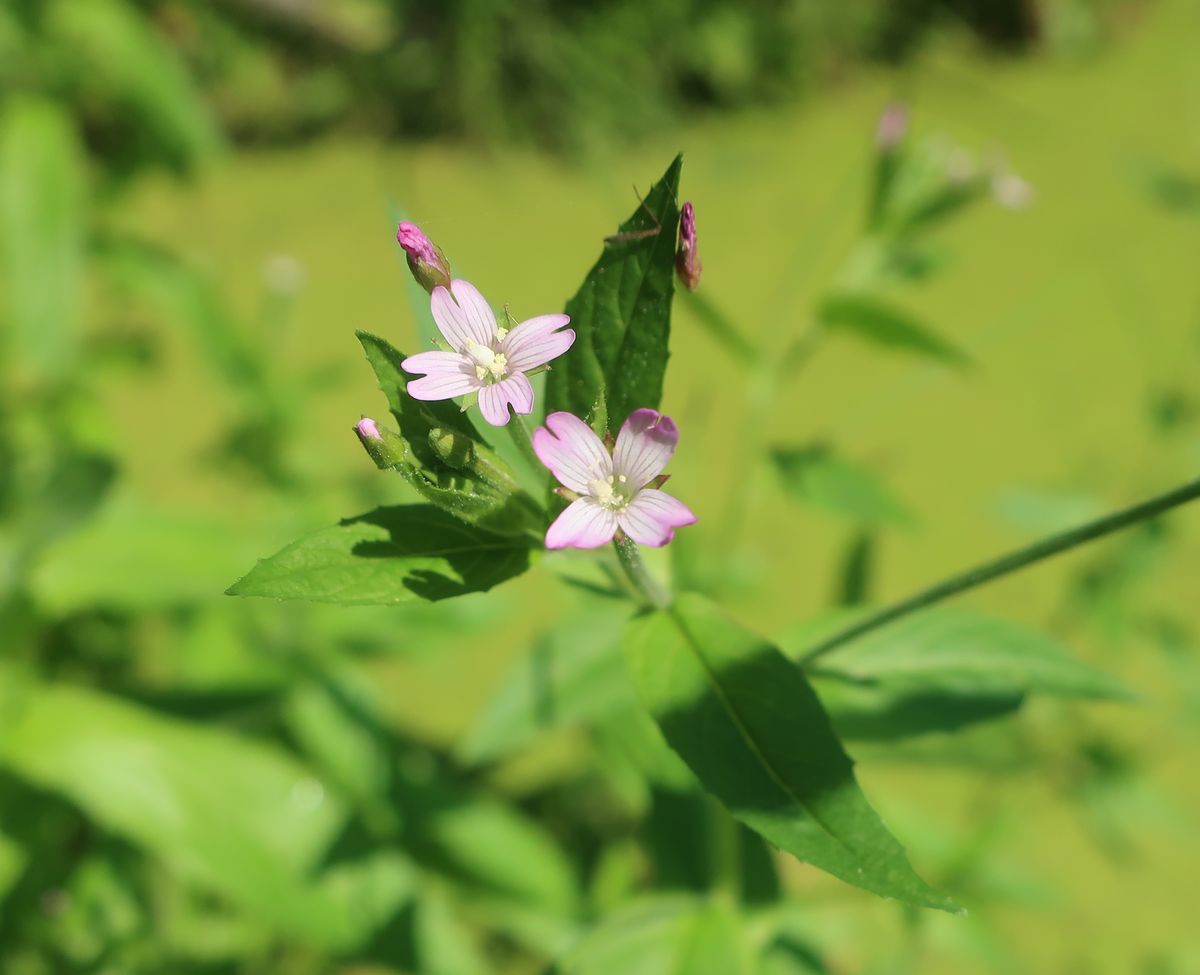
(239, 818)
(817, 475)
(390, 555)
(622, 315)
(415, 417)
(958, 652)
(445, 459)
(873, 320)
(752, 729)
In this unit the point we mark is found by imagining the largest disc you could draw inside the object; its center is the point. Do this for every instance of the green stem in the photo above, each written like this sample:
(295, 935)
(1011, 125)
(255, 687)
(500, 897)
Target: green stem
(520, 436)
(1012, 562)
(653, 591)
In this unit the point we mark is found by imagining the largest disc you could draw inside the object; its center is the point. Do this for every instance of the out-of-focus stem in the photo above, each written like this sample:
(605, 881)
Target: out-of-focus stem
(1012, 562)
(653, 591)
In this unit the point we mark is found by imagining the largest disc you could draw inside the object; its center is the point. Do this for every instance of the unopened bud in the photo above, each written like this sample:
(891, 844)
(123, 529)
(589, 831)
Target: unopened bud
(464, 454)
(893, 124)
(687, 257)
(387, 449)
(425, 259)
(368, 429)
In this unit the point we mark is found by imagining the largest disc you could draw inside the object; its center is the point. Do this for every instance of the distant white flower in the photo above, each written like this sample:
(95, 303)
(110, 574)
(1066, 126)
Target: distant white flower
(487, 359)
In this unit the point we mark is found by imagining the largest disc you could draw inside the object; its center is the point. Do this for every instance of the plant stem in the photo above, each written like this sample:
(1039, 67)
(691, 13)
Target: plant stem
(520, 436)
(654, 592)
(1012, 562)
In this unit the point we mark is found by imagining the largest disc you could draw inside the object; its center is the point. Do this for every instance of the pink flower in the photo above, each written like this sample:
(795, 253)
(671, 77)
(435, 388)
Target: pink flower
(487, 359)
(612, 487)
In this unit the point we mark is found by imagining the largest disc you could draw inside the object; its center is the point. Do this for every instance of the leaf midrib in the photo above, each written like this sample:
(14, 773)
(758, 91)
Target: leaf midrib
(744, 731)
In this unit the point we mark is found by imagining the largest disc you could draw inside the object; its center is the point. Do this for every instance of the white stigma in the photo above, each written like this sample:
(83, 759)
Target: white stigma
(488, 362)
(606, 494)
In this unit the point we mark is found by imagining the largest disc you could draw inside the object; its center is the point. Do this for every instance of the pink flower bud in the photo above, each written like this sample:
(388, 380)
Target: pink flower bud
(385, 447)
(425, 259)
(687, 257)
(893, 124)
(368, 429)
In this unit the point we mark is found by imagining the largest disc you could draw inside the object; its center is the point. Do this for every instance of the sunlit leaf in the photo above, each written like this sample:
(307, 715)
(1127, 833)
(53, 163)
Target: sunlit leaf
(622, 315)
(660, 934)
(43, 215)
(957, 652)
(133, 556)
(753, 731)
(872, 320)
(239, 817)
(817, 475)
(390, 555)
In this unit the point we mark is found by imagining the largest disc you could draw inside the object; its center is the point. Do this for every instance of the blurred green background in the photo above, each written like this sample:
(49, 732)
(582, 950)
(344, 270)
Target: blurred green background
(197, 203)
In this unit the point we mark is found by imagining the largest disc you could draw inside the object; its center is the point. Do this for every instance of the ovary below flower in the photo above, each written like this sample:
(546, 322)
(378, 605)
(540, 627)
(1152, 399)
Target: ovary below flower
(486, 359)
(612, 488)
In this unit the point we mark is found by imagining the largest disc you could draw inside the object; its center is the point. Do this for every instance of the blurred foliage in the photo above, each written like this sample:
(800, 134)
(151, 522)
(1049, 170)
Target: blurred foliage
(139, 73)
(197, 785)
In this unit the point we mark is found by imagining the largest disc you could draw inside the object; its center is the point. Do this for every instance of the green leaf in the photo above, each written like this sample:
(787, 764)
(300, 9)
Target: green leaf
(465, 478)
(571, 676)
(43, 213)
(389, 555)
(880, 712)
(752, 729)
(416, 418)
(494, 846)
(123, 57)
(134, 557)
(817, 475)
(238, 817)
(664, 933)
(622, 315)
(868, 318)
(957, 652)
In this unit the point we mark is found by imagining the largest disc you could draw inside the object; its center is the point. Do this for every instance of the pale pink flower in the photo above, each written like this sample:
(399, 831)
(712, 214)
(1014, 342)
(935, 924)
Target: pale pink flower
(487, 359)
(612, 488)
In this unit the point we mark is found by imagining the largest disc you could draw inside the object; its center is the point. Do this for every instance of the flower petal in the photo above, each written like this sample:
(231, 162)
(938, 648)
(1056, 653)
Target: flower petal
(572, 451)
(461, 314)
(584, 524)
(494, 400)
(652, 517)
(645, 444)
(536, 341)
(447, 374)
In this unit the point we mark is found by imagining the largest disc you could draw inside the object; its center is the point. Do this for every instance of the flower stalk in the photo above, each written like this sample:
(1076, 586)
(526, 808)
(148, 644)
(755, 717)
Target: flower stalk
(649, 588)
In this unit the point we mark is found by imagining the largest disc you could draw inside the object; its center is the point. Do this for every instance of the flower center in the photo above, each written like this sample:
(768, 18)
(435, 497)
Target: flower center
(489, 364)
(610, 491)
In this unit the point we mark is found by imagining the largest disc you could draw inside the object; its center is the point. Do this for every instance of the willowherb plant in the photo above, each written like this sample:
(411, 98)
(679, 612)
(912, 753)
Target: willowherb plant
(760, 727)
